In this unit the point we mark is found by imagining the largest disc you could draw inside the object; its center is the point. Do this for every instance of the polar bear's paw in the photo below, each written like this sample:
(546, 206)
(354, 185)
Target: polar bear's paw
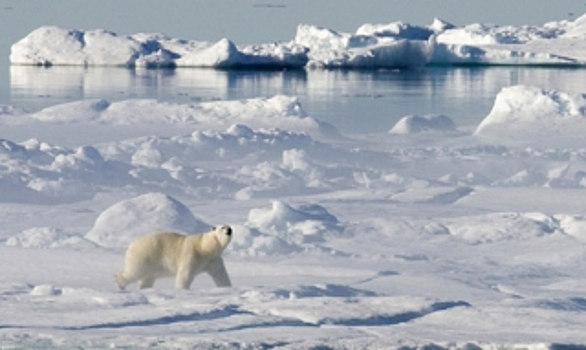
(121, 282)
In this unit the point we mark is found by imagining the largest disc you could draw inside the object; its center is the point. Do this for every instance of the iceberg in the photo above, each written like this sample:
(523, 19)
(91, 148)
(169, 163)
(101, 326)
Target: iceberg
(392, 45)
(554, 43)
(50, 45)
(332, 49)
(313, 46)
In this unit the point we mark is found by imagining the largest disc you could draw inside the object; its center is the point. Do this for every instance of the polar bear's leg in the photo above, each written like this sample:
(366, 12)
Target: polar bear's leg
(132, 272)
(217, 271)
(146, 282)
(121, 281)
(185, 276)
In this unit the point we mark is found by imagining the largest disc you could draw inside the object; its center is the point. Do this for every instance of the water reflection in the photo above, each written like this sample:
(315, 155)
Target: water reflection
(362, 101)
(38, 87)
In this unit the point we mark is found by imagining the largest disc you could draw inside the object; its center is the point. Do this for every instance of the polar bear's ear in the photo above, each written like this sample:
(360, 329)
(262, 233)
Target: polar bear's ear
(213, 228)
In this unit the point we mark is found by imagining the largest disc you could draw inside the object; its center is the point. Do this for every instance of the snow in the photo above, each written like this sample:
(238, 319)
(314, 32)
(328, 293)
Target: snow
(474, 239)
(256, 112)
(413, 124)
(527, 111)
(391, 45)
(125, 221)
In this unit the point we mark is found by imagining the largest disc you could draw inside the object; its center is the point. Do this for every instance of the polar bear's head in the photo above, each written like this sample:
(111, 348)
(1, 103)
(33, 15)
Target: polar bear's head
(223, 234)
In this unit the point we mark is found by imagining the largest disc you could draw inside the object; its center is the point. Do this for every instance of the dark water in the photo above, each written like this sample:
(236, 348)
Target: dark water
(356, 101)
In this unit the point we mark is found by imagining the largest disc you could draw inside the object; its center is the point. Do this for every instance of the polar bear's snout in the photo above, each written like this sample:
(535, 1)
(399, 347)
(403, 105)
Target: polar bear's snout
(226, 229)
(223, 234)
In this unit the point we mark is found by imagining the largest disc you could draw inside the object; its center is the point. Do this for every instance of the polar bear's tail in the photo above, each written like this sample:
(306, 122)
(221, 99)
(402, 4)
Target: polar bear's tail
(120, 281)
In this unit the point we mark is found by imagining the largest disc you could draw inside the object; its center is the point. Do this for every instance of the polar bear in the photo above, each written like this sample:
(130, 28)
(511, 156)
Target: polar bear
(163, 254)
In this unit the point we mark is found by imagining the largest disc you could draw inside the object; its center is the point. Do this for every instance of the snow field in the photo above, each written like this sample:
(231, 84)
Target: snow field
(339, 240)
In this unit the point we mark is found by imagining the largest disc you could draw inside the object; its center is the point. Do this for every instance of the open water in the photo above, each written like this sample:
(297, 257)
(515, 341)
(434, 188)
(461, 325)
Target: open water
(361, 101)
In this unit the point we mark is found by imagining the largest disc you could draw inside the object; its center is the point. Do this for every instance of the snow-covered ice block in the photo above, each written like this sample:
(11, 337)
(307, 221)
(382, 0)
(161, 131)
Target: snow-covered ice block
(532, 112)
(404, 30)
(331, 49)
(554, 43)
(413, 124)
(127, 220)
(284, 229)
(52, 45)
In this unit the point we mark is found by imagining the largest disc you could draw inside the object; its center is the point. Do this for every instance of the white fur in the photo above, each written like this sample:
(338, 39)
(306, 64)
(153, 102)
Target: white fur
(163, 254)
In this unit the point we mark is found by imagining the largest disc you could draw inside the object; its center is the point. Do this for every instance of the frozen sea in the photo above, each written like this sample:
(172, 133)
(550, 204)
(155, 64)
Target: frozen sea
(427, 208)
